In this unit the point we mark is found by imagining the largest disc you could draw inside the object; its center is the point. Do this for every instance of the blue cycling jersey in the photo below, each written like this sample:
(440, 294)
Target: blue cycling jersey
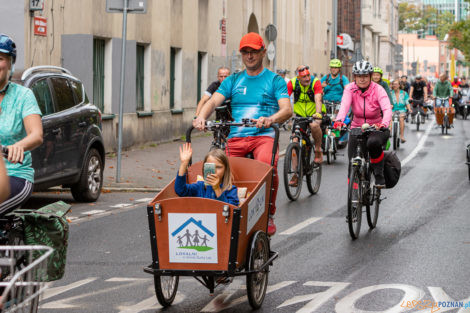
(253, 97)
(333, 91)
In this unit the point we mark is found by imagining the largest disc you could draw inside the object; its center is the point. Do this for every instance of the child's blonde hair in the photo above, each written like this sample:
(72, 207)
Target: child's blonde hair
(220, 156)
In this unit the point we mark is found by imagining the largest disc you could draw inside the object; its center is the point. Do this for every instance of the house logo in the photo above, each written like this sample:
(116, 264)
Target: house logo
(192, 238)
(198, 240)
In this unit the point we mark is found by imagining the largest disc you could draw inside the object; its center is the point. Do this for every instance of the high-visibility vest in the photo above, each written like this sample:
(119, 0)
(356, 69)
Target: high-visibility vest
(304, 98)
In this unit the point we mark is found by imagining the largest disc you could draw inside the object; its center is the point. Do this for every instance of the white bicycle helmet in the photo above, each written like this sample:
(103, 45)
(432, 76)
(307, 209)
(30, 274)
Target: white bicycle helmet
(362, 67)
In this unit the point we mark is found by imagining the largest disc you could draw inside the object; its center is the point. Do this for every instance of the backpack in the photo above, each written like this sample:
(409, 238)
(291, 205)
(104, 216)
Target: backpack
(392, 169)
(340, 80)
(48, 226)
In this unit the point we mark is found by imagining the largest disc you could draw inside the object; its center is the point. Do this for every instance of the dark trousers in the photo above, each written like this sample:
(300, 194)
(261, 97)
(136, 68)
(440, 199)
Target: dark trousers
(375, 143)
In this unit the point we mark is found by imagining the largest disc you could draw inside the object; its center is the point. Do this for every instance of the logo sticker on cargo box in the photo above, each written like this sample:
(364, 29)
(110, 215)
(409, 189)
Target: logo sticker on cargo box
(256, 208)
(192, 238)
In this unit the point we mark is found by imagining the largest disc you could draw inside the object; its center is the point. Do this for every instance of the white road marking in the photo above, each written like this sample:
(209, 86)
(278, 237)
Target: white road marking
(316, 299)
(93, 212)
(219, 304)
(51, 292)
(299, 226)
(348, 303)
(124, 279)
(144, 200)
(66, 303)
(121, 205)
(420, 144)
(150, 303)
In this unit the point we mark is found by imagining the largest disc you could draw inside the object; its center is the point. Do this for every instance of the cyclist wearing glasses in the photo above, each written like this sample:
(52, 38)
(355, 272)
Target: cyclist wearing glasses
(258, 94)
(20, 130)
(307, 102)
(377, 77)
(333, 84)
(370, 104)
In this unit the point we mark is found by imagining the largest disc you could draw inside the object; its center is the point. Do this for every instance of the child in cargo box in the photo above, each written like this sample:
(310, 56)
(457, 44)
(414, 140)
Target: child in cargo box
(217, 186)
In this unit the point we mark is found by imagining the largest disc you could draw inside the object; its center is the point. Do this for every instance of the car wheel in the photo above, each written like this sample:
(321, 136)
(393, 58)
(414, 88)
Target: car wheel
(88, 188)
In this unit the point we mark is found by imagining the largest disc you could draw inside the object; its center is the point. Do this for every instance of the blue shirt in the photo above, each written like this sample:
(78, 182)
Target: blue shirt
(400, 103)
(333, 91)
(253, 97)
(200, 190)
(17, 103)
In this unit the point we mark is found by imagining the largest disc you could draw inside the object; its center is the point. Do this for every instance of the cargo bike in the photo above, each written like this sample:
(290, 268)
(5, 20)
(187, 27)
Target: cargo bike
(214, 241)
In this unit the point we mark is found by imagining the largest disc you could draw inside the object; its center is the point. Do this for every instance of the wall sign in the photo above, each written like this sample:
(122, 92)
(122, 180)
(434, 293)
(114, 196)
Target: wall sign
(36, 5)
(40, 26)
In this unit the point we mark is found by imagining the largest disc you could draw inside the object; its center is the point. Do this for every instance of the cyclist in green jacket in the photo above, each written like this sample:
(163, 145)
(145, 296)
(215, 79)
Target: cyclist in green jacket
(377, 78)
(443, 90)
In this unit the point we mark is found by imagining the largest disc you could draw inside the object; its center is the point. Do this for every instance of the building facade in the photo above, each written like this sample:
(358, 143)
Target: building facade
(173, 52)
(379, 33)
(459, 8)
(349, 22)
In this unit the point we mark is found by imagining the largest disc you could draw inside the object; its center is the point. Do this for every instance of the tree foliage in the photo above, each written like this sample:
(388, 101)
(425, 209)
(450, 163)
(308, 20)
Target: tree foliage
(459, 36)
(415, 19)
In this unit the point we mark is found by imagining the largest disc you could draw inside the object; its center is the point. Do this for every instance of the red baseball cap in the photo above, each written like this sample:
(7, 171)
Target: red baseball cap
(252, 40)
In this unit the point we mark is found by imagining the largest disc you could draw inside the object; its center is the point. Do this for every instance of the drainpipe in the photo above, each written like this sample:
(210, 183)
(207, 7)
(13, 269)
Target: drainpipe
(275, 41)
(335, 28)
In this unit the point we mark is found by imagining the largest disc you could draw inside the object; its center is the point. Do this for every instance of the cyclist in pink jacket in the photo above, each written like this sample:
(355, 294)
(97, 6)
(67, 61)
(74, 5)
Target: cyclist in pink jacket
(370, 104)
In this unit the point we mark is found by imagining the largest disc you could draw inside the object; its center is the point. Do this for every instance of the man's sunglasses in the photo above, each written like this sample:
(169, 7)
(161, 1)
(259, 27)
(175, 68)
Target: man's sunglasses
(303, 69)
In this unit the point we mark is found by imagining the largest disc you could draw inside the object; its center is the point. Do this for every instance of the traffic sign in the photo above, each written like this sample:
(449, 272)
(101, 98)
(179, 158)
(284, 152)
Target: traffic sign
(271, 51)
(339, 40)
(36, 5)
(133, 6)
(271, 32)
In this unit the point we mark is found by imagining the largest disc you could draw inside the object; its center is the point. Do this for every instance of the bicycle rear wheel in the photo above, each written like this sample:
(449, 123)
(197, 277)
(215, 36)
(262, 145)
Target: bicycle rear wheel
(293, 153)
(372, 207)
(354, 204)
(313, 174)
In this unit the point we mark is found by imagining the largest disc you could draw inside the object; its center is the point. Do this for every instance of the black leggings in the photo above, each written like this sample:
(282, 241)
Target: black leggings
(375, 142)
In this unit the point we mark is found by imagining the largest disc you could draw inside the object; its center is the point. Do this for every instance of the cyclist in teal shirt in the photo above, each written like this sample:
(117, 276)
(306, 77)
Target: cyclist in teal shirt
(333, 84)
(21, 128)
(258, 94)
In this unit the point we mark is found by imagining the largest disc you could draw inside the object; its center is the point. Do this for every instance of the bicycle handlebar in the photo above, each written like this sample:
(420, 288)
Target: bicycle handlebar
(5, 152)
(246, 122)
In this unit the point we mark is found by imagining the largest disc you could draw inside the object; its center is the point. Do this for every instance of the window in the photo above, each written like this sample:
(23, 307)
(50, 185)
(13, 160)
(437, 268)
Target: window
(43, 96)
(139, 77)
(77, 88)
(201, 73)
(63, 93)
(175, 79)
(98, 73)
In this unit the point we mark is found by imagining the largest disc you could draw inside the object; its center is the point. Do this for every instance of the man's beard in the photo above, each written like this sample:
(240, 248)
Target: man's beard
(256, 66)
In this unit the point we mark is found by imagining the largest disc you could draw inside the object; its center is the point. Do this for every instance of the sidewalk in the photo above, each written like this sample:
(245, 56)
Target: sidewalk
(151, 167)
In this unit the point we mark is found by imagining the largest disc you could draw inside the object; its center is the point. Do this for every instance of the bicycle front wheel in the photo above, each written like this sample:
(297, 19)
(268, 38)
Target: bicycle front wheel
(165, 289)
(328, 149)
(293, 171)
(313, 174)
(418, 121)
(354, 204)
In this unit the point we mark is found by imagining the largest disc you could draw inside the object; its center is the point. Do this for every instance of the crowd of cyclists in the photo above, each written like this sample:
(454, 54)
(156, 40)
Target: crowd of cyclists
(255, 93)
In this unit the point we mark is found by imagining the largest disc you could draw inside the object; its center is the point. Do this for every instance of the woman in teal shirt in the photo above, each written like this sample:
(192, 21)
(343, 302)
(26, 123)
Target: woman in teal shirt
(20, 129)
(401, 105)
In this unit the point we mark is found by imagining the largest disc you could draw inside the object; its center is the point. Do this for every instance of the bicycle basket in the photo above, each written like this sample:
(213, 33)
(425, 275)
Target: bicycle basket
(21, 289)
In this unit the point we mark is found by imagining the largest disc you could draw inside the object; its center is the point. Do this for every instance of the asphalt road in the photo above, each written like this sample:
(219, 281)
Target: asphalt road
(419, 251)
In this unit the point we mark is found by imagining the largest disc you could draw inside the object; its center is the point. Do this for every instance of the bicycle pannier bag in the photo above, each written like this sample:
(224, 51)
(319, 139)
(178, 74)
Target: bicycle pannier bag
(392, 169)
(48, 226)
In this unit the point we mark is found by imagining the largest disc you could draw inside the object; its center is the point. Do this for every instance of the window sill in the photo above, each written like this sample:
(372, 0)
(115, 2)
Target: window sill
(177, 111)
(105, 117)
(144, 113)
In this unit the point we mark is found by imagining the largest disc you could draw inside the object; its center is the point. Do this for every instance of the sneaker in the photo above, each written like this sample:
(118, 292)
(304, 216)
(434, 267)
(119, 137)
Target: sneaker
(294, 182)
(271, 227)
